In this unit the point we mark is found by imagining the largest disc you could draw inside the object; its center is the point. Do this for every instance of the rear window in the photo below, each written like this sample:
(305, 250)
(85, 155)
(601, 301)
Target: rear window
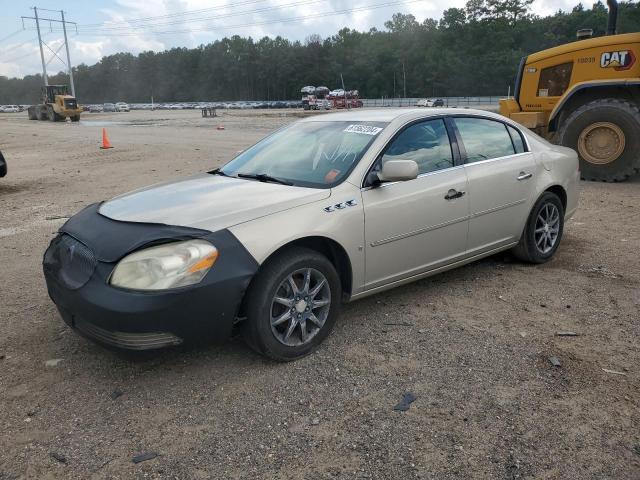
(484, 139)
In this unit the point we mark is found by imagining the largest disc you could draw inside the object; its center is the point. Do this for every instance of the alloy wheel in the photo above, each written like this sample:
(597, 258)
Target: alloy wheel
(547, 228)
(300, 307)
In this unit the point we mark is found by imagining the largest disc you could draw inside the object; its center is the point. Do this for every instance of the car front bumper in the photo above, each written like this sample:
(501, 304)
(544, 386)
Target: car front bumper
(141, 320)
(79, 262)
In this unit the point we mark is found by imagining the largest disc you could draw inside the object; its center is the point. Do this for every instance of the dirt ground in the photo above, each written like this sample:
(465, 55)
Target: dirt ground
(472, 345)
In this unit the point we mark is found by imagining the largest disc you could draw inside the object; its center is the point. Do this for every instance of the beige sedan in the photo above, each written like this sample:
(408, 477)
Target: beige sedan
(329, 209)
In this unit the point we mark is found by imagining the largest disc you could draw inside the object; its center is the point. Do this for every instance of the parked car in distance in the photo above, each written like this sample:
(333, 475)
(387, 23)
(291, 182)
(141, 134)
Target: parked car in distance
(430, 102)
(108, 107)
(3, 166)
(122, 107)
(95, 108)
(9, 109)
(272, 243)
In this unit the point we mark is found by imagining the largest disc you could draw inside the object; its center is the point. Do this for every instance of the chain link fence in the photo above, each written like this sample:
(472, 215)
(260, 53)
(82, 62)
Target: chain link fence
(469, 102)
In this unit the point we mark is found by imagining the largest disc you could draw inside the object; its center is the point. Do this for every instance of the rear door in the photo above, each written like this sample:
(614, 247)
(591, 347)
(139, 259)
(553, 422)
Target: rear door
(501, 175)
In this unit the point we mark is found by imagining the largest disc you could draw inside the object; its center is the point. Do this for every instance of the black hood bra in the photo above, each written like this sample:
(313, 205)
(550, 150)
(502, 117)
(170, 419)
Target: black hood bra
(110, 240)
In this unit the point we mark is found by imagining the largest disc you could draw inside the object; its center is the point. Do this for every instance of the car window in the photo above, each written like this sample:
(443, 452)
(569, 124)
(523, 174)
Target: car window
(426, 143)
(318, 154)
(516, 137)
(484, 139)
(554, 80)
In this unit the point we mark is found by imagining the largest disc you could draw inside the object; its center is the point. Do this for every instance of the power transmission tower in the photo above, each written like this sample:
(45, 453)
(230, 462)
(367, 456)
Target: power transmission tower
(55, 54)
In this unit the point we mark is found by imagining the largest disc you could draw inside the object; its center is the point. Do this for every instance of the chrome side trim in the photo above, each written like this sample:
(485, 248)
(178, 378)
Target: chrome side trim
(419, 231)
(445, 224)
(429, 273)
(499, 207)
(505, 158)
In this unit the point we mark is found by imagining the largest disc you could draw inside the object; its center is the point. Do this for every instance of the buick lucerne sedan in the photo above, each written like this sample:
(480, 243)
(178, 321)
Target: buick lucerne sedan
(329, 209)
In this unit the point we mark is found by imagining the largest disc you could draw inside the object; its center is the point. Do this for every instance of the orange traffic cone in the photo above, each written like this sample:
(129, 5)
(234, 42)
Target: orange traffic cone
(105, 140)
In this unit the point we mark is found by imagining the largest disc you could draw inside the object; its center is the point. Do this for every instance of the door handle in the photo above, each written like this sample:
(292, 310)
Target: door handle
(453, 193)
(524, 176)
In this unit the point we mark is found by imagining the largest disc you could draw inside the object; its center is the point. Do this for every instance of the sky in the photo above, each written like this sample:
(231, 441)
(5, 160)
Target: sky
(105, 27)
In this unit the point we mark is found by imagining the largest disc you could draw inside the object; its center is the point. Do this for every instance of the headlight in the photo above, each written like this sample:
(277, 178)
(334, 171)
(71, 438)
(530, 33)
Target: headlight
(165, 266)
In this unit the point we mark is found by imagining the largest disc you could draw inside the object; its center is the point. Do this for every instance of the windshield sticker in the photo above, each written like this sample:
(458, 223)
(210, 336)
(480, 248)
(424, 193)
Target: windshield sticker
(363, 129)
(331, 176)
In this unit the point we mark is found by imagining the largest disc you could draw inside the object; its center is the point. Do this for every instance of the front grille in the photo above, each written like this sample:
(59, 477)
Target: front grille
(69, 261)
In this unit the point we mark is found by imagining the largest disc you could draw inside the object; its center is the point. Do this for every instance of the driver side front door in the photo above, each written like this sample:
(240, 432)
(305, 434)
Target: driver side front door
(417, 225)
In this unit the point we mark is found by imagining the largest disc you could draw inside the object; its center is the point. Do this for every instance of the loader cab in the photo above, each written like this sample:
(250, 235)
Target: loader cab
(50, 92)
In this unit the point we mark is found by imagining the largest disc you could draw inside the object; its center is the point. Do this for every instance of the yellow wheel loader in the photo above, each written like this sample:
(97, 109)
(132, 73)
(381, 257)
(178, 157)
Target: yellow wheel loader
(585, 95)
(56, 105)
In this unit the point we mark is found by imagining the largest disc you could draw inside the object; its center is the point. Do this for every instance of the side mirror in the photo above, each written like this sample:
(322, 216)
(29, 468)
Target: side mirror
(398, 171)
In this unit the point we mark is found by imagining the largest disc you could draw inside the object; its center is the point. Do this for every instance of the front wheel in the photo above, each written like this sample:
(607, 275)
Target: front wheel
(543, 230)
(292, 304)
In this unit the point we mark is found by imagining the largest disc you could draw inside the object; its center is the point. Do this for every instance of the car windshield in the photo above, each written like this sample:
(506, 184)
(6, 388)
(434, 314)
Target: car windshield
(310, 154)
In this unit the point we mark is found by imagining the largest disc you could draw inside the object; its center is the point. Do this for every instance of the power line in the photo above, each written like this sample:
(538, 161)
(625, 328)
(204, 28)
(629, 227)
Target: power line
(11, 60)
(10, 35)
(16, 47)
(178, 14)
(82, 28)
(253, 24)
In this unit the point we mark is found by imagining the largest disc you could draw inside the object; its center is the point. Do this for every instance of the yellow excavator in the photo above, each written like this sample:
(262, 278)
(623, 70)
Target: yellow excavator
(585, 95)
(56, 105)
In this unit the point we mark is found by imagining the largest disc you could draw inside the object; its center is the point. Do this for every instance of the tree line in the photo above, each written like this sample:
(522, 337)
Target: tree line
(470, 51)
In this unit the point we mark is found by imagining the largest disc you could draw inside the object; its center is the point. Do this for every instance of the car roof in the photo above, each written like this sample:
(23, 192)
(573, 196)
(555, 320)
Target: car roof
(390, 114)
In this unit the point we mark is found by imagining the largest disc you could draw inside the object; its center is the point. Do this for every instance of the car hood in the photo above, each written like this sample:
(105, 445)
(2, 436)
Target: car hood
(206, 201)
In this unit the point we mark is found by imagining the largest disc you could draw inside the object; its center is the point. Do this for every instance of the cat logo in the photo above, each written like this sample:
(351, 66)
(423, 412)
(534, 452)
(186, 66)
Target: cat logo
(619, 60)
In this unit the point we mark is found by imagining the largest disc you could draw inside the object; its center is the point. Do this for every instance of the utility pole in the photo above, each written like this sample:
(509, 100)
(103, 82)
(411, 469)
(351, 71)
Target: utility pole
(66, 44)
(44, 66)
(394, 84)
(404, 81)
(64, 23)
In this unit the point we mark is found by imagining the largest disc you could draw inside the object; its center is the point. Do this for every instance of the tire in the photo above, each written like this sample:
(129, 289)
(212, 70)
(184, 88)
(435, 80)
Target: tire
(43, 113)
(31, 112)
(529, 248)
(75, 118)
(620, 122)
(262, 309)
(51, 115)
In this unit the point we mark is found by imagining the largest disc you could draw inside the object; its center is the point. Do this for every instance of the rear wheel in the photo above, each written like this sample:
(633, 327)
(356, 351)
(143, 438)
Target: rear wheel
(543, 230)
(606, 135)
(75, 118)
(292, 304)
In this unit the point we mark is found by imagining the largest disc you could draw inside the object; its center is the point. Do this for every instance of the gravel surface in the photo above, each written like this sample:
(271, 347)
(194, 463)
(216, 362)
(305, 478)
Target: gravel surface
(472, 347)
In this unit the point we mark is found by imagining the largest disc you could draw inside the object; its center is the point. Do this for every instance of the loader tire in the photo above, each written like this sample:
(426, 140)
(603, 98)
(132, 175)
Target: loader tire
(606, 135)
(75, 118)
(51, 115)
